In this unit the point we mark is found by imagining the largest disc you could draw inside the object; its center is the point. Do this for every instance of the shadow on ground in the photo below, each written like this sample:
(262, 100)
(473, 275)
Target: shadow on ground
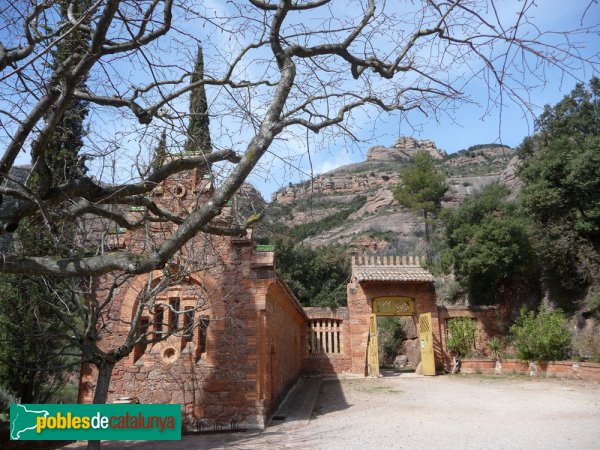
(331, 398)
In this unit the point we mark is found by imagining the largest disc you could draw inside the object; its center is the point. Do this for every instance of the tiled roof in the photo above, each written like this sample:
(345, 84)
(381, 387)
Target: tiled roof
(392, 273)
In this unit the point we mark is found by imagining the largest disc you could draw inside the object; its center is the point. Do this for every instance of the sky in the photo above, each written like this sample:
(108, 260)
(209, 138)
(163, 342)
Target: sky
(468, 124)
(456, 128)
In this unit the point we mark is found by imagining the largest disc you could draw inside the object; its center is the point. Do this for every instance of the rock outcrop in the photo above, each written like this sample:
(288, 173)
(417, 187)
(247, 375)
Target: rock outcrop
(381, 199)
(404, 149)
(248, 201)
(459, 188)
(509, 177)
(340, 181)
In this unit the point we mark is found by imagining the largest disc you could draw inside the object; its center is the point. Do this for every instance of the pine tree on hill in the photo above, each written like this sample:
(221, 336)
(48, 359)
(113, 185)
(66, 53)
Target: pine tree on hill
(422, 189)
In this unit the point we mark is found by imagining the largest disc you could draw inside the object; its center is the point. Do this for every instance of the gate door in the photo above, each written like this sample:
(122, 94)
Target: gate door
(373, 348)
(426, 341)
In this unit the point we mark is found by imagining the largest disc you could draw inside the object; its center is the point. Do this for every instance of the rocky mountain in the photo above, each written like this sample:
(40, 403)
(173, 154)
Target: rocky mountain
(354, 204)
(248, 201)
(404, 148)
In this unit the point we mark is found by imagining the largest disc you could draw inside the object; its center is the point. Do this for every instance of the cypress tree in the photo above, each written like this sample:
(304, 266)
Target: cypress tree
(198, 128)
(62, 152)
(32, 335)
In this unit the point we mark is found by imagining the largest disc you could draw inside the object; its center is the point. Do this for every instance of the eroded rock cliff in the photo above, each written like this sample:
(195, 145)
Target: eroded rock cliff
(327, 209)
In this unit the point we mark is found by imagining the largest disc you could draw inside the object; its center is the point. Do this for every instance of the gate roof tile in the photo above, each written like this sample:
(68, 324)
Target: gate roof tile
(392, 273)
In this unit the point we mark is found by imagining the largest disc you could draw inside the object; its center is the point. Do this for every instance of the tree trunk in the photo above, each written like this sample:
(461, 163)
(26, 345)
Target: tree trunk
(101, 393)
(429, 252)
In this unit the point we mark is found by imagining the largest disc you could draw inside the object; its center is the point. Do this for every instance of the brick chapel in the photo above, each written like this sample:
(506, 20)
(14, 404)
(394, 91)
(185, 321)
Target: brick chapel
(253, 338)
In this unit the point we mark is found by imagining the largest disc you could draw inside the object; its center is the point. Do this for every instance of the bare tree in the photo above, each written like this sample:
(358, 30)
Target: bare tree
(93, 325)
(274, 70)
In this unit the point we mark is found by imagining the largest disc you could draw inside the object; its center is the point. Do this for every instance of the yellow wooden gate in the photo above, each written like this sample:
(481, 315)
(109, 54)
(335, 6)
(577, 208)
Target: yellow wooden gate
(373, 348)
(426, 341)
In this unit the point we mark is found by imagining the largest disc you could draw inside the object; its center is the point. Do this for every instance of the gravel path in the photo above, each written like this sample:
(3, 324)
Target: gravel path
(449, 412)
(456, 412)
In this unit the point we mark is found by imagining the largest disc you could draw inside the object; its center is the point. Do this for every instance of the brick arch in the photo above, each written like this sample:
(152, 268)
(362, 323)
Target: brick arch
(131, 297)
(135, 288)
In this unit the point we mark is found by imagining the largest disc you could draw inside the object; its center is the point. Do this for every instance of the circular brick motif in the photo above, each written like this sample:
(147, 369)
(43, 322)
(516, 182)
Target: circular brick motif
(180, 191)
(170, 355)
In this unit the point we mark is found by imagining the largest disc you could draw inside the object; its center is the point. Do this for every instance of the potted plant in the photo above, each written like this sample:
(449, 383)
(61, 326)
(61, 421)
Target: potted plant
(461, 340)
(496, 349)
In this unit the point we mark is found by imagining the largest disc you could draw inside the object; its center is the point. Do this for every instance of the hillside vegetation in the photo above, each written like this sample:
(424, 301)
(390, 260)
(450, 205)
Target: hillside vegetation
(516, 227)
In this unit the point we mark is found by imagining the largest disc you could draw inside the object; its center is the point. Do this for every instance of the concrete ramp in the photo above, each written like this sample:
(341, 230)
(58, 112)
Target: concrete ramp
(298, 404)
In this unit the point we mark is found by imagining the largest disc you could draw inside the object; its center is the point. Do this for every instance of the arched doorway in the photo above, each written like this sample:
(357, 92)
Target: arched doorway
(396, 287)
(399, 306)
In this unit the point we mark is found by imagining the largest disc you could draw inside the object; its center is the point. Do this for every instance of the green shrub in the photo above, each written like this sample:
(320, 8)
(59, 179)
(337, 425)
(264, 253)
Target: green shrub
(541, 337)
(461, 336)
(496, 348)
(487, 245)
(592, 302)
(6, 398)
(391, 336)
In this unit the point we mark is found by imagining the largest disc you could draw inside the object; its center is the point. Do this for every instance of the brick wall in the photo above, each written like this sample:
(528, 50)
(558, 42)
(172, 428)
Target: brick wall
(559, 369)
(326, 362)
(490, 322)
(217, 385)
(252, 343)
(284, 321)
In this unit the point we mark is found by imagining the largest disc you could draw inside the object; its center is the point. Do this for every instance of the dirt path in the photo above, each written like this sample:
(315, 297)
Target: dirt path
(449, 412)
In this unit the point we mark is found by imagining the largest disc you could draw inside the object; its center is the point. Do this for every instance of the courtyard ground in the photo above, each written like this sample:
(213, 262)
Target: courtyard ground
(449, 412)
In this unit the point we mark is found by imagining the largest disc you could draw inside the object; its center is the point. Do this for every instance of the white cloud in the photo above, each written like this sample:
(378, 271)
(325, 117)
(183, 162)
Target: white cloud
(341, 159)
